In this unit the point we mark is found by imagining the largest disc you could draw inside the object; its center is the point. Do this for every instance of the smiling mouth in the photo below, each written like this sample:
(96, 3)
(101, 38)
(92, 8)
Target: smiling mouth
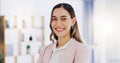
(59, 29)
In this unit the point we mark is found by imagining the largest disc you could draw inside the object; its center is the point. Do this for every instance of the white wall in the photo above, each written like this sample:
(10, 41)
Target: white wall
(113, 34)
(107, 31)
(99, 34)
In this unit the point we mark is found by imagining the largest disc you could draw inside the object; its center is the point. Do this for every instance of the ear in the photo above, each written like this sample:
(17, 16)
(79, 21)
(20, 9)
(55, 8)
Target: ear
(73, 21)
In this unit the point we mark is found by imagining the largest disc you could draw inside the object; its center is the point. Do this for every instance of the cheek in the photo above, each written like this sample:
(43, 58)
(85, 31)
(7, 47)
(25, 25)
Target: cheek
(68, 24)
(52, 25)
(69, 27)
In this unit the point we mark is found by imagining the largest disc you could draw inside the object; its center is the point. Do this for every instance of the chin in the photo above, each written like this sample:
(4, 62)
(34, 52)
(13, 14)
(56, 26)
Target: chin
(60, 35)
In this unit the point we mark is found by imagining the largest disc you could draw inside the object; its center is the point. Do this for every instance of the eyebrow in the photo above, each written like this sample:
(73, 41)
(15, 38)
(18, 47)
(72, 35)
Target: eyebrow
(53, 16)
(61, 16)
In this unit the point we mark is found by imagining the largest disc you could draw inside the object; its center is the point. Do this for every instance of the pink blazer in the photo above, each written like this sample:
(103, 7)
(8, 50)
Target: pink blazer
(74, 53)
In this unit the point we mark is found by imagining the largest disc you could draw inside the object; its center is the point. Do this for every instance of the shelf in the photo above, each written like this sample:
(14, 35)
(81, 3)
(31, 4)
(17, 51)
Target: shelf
(22, 59)
(21, 32)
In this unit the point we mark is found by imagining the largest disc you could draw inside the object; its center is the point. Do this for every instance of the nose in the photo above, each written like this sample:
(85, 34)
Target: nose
(59, 23)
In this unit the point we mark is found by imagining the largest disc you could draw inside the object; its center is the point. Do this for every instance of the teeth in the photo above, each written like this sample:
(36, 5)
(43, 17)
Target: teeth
(59, 29)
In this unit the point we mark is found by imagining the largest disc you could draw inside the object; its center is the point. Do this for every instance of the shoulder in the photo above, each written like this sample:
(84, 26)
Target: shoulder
(47, 47)
(82, 52)
(44, 50)
(82, 47)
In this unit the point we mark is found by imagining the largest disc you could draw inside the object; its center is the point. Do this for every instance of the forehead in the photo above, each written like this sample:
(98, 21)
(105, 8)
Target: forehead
(60, 12)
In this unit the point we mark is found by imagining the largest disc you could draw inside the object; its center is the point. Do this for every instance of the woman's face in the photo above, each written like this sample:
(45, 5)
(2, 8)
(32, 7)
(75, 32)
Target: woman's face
(61, 22)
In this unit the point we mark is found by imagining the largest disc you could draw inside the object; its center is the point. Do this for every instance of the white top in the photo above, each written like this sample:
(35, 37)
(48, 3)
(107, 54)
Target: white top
(57, 53)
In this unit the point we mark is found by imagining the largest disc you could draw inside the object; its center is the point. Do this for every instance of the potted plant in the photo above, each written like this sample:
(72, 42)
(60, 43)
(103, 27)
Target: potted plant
(28, 49)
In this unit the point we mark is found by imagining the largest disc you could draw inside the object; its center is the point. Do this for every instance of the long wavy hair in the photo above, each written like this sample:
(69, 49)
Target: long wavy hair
(74, 32)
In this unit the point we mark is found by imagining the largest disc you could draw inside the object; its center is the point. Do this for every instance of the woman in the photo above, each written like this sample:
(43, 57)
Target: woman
(67, 47)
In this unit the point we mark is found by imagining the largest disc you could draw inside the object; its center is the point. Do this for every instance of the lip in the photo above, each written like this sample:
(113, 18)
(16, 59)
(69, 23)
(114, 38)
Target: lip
(59, 29)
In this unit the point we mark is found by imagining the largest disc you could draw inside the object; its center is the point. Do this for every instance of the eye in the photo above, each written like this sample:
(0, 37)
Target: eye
(54, 19)
(63, 19)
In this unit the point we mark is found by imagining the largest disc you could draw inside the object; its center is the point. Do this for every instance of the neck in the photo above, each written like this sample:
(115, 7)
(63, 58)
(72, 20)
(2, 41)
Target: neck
(62, 41)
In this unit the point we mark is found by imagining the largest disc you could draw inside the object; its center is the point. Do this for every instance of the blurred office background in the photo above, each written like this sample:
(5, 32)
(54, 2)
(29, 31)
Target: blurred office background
(27, 26)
